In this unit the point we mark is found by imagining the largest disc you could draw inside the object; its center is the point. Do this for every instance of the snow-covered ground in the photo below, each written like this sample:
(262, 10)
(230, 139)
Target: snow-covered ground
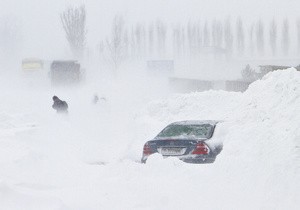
(90, 158)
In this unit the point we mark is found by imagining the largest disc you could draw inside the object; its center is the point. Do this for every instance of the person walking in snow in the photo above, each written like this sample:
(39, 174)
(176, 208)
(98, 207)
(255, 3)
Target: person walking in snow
(95, 99)
(59, 105)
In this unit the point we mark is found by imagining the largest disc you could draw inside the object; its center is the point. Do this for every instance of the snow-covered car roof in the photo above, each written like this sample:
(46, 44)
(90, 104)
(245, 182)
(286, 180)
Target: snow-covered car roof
(196, 122)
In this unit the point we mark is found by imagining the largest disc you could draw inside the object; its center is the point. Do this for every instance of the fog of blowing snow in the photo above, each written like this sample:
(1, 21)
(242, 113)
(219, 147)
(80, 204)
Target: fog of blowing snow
(86, 87)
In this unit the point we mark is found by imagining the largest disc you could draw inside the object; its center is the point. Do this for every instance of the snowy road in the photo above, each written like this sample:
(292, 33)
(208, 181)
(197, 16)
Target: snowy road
(89, 159)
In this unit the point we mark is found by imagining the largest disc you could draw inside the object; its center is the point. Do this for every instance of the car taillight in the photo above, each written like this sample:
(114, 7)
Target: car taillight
(147, 150)
(201, 149)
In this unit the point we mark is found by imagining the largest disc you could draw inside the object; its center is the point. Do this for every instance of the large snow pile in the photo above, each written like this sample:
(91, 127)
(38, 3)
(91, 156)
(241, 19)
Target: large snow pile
(261, 156)
(90, 159)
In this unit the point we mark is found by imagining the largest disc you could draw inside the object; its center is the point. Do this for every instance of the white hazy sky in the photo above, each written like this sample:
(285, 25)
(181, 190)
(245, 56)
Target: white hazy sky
(166, 8)
(41, 27)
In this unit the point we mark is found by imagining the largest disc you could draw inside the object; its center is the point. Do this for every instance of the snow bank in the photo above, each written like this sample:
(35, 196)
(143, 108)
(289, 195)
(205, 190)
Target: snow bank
(11, 199)
(261, 156)
(263, 141)
(90, 158)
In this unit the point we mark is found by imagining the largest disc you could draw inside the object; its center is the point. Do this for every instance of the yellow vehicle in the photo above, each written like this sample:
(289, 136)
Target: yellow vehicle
(32, 64)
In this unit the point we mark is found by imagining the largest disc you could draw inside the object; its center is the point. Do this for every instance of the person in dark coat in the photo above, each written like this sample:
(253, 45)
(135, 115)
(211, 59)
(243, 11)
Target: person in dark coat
(59, 105)
(95, 99)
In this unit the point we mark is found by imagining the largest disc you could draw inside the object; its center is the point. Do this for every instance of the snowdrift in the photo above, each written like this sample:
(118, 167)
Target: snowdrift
(90, 159)
(261, 157)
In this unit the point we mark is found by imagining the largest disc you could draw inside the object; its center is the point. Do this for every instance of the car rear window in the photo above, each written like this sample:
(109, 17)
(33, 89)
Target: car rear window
(187, 131)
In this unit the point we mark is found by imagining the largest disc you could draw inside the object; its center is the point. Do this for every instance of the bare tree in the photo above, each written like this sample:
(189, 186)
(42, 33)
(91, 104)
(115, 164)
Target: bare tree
(132, 41)
(151, 38)
(183, 41)
(10, 37)
(192, 37)
(251, 39)
(198, 36)
(285, 37)
(177, 41)
(240, 38)
(228, 36)
(217, 33)
(206, 36)
(298, 34)
(140, 37)
(101, 49)
(260, 41)
(249, 74)
(214, 32)
(161, 30)
(273, 37)
(116, 44)
(126, 44)
(10, 42)
(74, 23)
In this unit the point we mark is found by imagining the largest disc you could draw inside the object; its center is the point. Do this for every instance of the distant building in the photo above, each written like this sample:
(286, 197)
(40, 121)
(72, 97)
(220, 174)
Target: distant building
(264, 69)
(213, 52)
(183, 85)
(160, 67)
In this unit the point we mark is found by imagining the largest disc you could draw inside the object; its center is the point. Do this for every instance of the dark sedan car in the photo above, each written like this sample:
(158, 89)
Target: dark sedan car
(190, 141)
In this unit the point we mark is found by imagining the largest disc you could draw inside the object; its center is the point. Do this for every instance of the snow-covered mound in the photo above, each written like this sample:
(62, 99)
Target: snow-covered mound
(12, 199)
(262, 149)
(267, 119)
(90, 158)
(263, 140)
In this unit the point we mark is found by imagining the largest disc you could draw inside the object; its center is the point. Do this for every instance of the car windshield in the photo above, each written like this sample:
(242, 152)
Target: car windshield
(186, 131)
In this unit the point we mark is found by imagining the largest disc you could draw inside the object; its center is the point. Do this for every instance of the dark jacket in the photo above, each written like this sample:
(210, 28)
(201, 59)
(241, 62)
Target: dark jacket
(59, 105)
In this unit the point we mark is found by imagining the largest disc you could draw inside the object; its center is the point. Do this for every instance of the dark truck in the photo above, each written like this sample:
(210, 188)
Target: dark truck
(65, 72)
